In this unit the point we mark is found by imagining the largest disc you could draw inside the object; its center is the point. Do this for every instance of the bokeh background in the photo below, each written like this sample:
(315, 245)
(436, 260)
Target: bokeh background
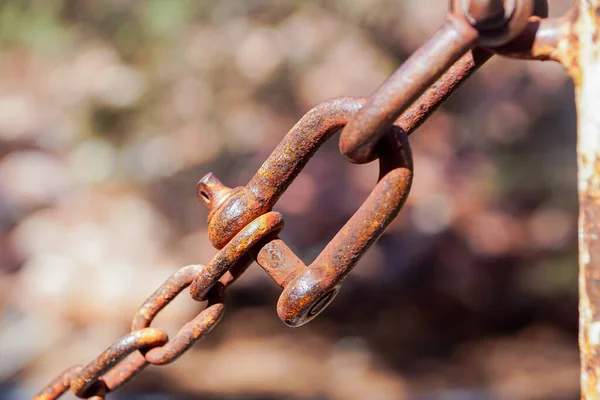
(111, 111)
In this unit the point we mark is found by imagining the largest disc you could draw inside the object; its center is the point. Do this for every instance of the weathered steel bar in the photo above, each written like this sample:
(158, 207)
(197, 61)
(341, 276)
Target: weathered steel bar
(444, 87)
(88, 382)
(409, 82)
(583, 64)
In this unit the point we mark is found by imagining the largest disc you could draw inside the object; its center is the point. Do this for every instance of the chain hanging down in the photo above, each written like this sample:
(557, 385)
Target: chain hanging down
(243, 227)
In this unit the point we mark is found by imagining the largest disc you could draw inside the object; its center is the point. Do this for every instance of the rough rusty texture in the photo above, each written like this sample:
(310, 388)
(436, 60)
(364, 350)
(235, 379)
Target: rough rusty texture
(280, 262)
(453, 40)
(228, 256)
(244, 204)
(124, 371)
(88, 381)
(233, 209)
(192, 331)
(417, 73)
(311, 290)
(444, 87)
(189, 334)
(582, 61)
(540, 40)
(164, 295)
(537, 41)
(144, 346)
(58, 386)
(307, 289)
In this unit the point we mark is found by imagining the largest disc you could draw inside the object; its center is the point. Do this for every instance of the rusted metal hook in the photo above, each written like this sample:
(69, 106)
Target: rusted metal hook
(244, 228)
(309, 289)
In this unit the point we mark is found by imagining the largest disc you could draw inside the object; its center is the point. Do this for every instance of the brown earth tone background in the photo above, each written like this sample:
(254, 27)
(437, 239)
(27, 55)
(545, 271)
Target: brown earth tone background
(111, 111)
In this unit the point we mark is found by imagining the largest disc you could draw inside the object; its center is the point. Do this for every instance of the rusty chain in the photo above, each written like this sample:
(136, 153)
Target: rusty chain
(244, 229)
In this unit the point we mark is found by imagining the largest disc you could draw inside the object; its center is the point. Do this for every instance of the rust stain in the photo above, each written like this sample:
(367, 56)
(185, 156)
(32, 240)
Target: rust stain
(88, 382)
(582, 61)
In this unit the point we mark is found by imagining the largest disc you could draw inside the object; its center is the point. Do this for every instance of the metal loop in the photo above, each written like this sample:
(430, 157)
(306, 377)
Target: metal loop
(132, 360)
(136, 362)
(311, 290)
(308, 290)
(88, 382)
(162, 296)
(415, 75)
(238, 207)
(234, 250)
(189, 334)
(192, 331)
(59, 385)
(124, 371)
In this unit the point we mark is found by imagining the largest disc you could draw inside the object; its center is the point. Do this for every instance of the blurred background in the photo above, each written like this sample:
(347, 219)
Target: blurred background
(111, 111)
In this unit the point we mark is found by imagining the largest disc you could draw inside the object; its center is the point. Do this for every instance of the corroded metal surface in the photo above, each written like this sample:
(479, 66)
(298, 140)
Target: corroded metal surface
(189, 334)
(59, 385)
(542, 39)
(583, 64)
(417, 73)
(436, 94)
(309, 292)
(460, 33)
(243, 227)
(308, 289)
(232, 252)
(88, 382)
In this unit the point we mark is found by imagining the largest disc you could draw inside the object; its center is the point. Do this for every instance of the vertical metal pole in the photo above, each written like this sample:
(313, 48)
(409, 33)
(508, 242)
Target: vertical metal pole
(583, 64)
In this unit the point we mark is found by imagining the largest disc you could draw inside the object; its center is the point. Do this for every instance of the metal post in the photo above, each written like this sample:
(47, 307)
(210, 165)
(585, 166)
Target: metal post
(583, 64)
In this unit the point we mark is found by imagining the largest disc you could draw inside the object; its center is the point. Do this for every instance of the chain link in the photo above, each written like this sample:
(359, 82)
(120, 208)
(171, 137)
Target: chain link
(244, 229)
